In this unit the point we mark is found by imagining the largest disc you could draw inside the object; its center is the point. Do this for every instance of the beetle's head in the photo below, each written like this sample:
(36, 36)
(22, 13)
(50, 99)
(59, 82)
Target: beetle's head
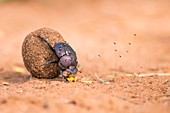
(68, 63)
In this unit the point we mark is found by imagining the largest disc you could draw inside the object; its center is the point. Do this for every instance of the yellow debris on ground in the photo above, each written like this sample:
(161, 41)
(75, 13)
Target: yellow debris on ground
(71, 79)
(19, 69)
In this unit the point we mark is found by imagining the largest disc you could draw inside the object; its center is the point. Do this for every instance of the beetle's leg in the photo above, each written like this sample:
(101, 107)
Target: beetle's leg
(41, 38)
(49, 62)
(61, 73)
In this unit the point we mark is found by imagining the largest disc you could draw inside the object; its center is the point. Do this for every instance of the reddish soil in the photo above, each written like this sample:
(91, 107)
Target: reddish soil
(112, 39)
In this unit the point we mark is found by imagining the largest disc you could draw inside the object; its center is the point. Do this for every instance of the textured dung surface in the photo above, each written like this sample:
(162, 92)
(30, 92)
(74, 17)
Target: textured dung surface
(36, 52)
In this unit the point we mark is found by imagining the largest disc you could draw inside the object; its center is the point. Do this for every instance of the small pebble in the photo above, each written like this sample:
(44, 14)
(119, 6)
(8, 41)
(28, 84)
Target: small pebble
(5, 83)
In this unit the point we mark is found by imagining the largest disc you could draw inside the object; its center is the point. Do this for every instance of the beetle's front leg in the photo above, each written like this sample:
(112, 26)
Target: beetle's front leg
(49, 62)
(65, 79)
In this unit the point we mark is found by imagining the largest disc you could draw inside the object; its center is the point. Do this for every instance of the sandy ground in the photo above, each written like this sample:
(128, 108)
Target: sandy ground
(115, 41)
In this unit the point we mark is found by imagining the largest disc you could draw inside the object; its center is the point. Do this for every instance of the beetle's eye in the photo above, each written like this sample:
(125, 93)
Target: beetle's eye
(65, 62)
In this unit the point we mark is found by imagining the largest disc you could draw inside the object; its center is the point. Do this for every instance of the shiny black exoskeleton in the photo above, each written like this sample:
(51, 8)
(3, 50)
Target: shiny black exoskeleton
(67, 57)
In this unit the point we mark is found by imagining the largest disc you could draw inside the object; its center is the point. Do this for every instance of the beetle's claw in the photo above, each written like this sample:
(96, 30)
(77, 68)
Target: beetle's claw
(65, 79)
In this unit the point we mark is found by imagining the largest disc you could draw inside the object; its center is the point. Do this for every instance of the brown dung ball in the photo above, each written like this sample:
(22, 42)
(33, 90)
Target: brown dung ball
(36, 53)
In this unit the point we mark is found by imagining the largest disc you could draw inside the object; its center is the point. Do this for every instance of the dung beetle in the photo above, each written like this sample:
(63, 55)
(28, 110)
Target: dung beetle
(66, 55)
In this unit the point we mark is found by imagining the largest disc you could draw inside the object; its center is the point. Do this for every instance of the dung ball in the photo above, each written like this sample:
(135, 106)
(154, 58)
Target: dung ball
(36, 53)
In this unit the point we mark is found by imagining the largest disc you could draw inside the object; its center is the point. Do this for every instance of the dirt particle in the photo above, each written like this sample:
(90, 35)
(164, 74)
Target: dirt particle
(3, 101)
(1, 69)
(133, 96)
(45, 105)
(150, 82)
(72, 102)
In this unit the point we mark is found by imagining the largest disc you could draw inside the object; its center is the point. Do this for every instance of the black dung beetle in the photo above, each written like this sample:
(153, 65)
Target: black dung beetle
(67, 57)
